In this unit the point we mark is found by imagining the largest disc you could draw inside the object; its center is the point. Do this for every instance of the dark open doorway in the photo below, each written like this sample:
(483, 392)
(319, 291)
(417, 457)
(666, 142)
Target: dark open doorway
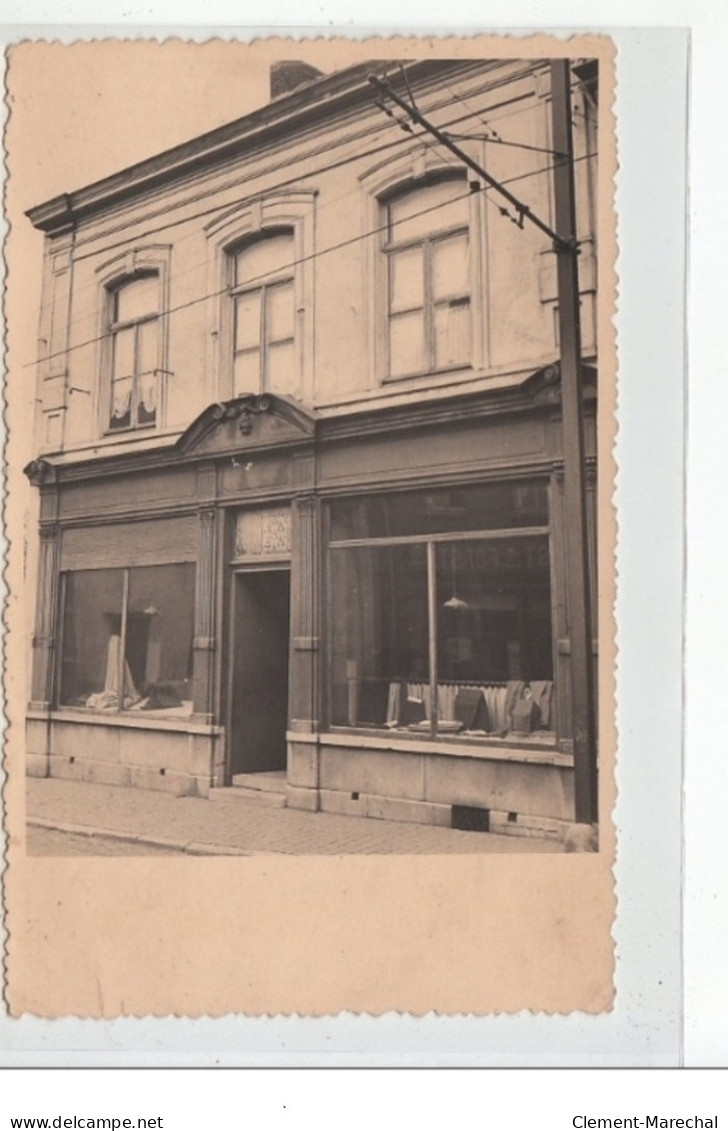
(259, 677)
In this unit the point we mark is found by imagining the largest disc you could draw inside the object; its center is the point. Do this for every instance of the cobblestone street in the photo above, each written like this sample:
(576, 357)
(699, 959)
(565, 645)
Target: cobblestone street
(154, 821)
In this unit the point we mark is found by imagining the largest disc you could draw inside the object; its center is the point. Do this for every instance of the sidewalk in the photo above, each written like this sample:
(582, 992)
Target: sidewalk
(229, 826)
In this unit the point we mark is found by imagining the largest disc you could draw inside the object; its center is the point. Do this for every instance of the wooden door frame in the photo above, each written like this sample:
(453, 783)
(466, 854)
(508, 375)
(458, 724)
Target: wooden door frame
(267, 565)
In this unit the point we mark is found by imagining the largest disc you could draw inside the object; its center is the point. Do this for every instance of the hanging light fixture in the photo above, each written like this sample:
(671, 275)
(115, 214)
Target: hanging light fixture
(454, 602)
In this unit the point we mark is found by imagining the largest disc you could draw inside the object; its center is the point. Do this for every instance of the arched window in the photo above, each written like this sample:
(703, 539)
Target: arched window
(426, 241)
(262, 288)
(134, 331)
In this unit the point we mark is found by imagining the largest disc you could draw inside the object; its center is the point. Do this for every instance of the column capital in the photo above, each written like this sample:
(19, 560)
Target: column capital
(306, 502)
(48, 531)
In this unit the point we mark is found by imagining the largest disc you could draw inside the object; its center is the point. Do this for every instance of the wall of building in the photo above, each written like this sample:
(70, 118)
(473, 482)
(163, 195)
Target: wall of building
(496, 416)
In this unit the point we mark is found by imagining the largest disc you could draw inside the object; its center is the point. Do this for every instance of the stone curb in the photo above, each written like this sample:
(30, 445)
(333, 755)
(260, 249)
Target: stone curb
(192, 848)
(201, 848)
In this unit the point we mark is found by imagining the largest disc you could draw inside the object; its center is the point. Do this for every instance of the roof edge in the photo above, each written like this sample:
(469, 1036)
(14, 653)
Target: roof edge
(339, 90)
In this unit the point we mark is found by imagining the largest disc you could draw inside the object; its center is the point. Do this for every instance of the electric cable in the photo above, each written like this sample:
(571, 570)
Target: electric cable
(294, 263)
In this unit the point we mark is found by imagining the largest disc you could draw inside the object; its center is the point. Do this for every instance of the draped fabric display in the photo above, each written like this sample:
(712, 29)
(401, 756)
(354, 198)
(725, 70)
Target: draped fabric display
(477, 708)
(127, 639)
(108, 699)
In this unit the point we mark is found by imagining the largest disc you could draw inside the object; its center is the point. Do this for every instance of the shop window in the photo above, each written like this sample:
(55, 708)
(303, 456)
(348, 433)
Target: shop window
(265, 349)
(442, 632)
(427, 247)
(127, 639)
(134, 332)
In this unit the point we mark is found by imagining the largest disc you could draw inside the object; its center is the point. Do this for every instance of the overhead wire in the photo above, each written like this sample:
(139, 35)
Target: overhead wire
(235, 182)
(283, 163)
(492, 135)
(499, 141)
(289, 183)
(417, 117)
(296, 262)
(421, 138)
(258, 278)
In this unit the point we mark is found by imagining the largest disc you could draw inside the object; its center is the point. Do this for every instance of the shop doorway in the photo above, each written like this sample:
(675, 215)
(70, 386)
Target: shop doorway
(259, 671)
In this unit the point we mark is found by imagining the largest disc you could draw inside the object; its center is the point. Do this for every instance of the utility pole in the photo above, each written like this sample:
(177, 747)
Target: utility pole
(579, 603)
(566, 249)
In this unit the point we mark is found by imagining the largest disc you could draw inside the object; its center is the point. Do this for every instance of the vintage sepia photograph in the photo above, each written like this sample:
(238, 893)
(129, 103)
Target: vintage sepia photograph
(316, 530)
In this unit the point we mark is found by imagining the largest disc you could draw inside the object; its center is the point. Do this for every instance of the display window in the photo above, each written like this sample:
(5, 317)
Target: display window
(127, 637)
(440, 613)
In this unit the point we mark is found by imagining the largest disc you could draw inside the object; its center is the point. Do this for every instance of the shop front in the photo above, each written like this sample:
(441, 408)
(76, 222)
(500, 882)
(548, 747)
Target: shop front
(372, 607)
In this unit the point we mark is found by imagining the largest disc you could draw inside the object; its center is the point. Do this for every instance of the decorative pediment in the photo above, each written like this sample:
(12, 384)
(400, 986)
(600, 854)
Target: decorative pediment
(250, 421)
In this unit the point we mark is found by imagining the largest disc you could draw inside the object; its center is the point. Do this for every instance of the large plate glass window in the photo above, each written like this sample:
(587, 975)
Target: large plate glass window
(127, 639)
(441, 613)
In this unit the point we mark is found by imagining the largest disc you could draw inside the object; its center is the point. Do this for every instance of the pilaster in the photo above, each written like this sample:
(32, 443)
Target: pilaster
(305, 670)
(204, 642)
(45, 619)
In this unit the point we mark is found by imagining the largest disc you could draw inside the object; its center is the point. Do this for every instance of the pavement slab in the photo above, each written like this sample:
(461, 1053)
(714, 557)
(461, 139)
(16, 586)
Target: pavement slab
(231, 826)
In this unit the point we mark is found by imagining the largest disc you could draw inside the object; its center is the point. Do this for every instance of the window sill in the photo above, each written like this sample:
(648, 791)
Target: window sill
(521, 749)
(132, 720)
(106, 442)
(422, 375)
(132, 430)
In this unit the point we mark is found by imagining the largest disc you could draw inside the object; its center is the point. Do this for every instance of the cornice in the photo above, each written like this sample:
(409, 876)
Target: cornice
(536, 393)
(526, 393)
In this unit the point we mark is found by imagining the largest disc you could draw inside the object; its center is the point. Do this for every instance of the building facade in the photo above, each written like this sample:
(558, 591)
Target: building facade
(300, 458)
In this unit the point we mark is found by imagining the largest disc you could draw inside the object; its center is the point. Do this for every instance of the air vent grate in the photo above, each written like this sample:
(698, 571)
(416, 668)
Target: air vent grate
(470, 818)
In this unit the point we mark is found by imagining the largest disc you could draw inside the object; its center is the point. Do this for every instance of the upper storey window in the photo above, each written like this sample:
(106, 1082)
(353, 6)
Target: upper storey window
(265, 350)
(134, 331)
(426, 241)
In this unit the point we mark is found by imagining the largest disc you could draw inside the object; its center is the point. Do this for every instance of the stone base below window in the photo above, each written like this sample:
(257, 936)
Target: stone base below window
(495, 790)
(376, 807)
(181, 762)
